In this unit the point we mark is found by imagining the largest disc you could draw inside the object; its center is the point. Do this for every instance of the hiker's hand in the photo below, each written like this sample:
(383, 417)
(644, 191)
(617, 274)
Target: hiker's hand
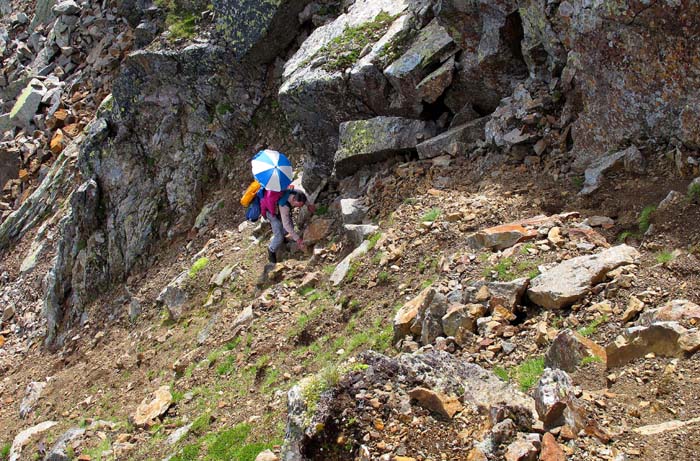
(311, 207)
(301, 245)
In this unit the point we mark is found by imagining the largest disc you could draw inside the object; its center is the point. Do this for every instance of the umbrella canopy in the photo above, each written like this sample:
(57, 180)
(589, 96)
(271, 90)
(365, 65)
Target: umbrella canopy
(272, 169)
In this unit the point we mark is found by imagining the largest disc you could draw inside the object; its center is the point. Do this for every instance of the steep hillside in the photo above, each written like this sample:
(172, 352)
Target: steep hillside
(503, 261)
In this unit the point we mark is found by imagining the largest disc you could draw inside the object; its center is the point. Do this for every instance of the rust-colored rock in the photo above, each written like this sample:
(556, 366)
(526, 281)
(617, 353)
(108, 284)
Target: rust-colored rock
(72, 130)
(57, 142)
(551, 451)
(500, 237)
(405, 319)
(446, 406)
(317, 230)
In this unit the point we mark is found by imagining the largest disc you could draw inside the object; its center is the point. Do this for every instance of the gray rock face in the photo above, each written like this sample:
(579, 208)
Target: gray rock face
(456, 141)
(568, 282)
(436, 372)
(32, 395)
(42, 13)
(58, 450)
(9, 166)
(257, 30)
(630, 159)
(491, 63)
(67, 7)
(174, 296)
(44, 200)
(5, 7)
(614, 112)
(150, 180)
(568, 349)
(432, 46)
(370, 141)
(552, 395)
(443, 372)
(352, 210)
(144, 33)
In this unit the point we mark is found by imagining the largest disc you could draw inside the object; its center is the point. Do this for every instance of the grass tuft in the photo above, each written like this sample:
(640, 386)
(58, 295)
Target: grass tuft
(431, 215)
(528, 373)
(592, 327)
(189, 453)
(663, 257)
(501, 373)
(198, 265)
(694, 192)
(343, 51)
(181, 25)
(373, 239)
(645, 218)
(5, 451)
(591, 359)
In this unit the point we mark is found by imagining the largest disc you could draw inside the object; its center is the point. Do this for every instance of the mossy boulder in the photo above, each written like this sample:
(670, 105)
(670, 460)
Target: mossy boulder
(364, 142)
(257, 30)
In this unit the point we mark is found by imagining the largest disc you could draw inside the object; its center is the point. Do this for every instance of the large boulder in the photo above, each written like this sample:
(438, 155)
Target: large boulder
(435, 380)
(569, 281)
(410, 73)
(370, 141)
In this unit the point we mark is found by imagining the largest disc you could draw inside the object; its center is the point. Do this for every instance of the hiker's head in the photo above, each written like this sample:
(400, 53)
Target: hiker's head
(297, 199)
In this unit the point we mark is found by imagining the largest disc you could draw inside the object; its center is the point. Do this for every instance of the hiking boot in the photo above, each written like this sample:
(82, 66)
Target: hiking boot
(264, 278)
(271, 256)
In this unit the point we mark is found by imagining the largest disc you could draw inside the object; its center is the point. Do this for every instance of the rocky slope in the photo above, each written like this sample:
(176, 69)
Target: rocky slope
(506, 208)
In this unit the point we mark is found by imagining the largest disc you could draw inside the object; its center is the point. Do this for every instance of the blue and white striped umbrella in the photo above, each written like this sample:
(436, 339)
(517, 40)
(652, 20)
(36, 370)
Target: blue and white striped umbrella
(272, 169)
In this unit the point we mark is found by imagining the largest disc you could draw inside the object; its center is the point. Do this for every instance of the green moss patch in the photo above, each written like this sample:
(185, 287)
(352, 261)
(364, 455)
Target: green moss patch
(344, 50)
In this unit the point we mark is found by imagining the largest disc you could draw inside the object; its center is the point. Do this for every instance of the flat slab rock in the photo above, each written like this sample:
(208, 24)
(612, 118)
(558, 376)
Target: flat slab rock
(507, 235)
(571, 280)
(364, 142)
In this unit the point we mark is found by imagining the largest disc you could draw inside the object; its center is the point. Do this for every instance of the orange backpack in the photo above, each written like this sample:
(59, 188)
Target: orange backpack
(250, 192)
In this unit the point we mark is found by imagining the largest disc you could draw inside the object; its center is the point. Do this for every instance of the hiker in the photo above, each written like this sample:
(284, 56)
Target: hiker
(276, 207)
